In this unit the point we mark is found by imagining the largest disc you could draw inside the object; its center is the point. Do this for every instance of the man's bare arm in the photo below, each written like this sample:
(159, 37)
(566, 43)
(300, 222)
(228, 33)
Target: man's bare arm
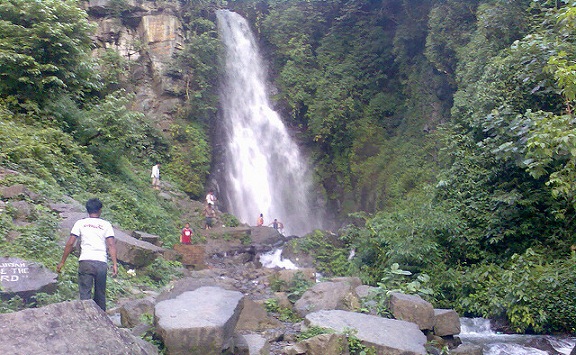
(67, 250)
(111, 243)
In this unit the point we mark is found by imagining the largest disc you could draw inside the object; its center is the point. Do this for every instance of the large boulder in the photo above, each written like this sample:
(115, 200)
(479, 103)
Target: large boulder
(77, 327)
(251, 344)
(412, 308)
(255, 318)
(147, 237)
(135, 252)
(21, 210)
(18, 191)
(386, 336)
(195, 280)
(131, 312)
(267, 237)
(328, 295)
(193, 255)
(446, 322)
(199, 322)
(24, 278)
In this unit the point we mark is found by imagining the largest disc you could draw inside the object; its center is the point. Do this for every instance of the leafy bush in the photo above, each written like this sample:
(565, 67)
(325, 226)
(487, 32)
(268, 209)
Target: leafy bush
(162, 271)
(398, 280)
(531, 295)
(329, 251)
(229, 220)
(311, 332)
(190, 158)
(45, 153)
(284, 314)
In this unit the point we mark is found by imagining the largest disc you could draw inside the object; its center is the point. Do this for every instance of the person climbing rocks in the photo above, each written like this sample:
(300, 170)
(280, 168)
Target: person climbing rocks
(277, 225)
(186, 235)
(96, 236)
(156, 176)
(210, 215)
(260, 220)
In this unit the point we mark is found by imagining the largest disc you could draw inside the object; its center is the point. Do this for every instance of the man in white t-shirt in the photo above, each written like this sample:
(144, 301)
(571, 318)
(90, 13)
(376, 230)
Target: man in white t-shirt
(96, 235)
(211, 199)
(155, 175)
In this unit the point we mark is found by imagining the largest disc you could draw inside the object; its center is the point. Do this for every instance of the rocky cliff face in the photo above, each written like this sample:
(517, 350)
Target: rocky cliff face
(146, 34)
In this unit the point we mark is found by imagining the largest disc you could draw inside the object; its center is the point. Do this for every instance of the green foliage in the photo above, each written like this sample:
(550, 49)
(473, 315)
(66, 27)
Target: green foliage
(44, 152)
(530, 294)
(36, 241)
(197, 66)
(111, 131)
(113, 69)
(271, 305)
(402, 281)
(295, 288)
(355, 345)
(451, 24)
(14, 304)
(134, 206)
(190, 159)
(408, 236)
(44, 50)
(311, 332)
(283, 313)
(329, 252)
(162, 271)
(229, 220)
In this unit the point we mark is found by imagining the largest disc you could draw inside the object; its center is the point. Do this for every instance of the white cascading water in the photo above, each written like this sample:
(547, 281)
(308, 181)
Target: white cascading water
(265, 172)
(478, 331)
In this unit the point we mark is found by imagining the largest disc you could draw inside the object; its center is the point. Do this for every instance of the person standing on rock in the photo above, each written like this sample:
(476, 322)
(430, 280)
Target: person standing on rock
(96, 236)
(260, 220)
(156, 176)
(210, 215)
(186, 236)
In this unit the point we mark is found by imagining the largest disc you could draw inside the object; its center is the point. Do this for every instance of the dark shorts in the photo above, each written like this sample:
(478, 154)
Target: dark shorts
(209, 221)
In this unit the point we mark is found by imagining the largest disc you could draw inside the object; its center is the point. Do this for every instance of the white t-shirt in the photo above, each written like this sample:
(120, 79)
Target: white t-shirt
(155, 172)
(93, 233)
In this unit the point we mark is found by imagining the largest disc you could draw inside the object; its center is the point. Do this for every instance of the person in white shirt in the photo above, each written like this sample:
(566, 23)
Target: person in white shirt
(211, 199)
(156, 176)
(96, 237)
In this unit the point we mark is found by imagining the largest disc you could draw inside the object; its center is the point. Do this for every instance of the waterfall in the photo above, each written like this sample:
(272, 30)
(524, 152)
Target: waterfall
(264, 169)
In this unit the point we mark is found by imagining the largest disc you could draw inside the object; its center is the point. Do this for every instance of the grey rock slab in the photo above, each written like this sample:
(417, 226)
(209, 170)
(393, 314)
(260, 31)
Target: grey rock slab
(71, 328)
(25, 278)
(387, 336)
(200, 321)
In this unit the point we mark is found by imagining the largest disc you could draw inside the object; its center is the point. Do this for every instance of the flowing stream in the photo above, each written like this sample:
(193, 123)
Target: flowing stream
(478, 331)
(265, 173)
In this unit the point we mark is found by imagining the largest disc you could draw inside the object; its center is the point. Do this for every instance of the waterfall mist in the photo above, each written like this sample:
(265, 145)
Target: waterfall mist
(264, 171)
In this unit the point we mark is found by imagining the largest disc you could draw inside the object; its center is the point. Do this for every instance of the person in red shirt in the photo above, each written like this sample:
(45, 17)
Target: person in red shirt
(186, 236)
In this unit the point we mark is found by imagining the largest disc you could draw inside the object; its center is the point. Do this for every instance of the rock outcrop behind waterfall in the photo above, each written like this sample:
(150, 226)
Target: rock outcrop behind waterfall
(147, 35)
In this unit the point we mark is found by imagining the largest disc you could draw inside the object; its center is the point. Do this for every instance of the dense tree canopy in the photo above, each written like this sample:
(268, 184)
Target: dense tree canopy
(43, 49)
